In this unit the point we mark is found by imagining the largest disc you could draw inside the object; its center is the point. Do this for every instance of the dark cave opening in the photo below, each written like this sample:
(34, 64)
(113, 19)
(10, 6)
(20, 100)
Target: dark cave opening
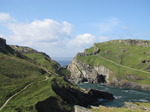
(101, 78)
(84, 80)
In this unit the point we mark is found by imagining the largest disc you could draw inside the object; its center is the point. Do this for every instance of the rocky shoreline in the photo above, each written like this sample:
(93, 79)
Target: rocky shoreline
(82, 72)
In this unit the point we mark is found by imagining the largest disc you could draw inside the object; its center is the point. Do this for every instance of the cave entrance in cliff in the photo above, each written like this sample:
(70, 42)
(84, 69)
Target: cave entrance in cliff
(101, 78)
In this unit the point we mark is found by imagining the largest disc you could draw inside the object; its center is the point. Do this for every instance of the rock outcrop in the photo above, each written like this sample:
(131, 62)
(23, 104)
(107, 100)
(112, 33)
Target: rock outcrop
(84, 68)
(141, 43)
(2, 43)
(128, 84)
(81, 72)
(23, 49)
(84, 98)
(136, 105)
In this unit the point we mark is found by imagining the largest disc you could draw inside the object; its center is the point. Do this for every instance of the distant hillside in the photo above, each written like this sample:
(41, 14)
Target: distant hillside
(42, 59)
(30, 81)
(123, 63)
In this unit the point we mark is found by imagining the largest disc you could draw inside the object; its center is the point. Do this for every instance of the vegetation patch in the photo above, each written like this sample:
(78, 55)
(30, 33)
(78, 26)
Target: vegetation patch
(123, 60)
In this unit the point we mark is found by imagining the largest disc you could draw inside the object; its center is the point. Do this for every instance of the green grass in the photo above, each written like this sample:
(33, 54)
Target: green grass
(39, 91)
(43, 60)
(39, 58)
(131, 56)
(64, 72)
(17, 72)
(26, 100)
(20, 48)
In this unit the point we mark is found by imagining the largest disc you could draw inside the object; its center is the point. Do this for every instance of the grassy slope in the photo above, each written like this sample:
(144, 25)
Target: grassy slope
(16, 73)
(43, 60)
(39, 91)
(130, 56)
(39, 58)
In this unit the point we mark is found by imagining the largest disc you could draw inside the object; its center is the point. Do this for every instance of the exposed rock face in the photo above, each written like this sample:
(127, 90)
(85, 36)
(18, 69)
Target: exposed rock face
(89, 54)
(81, 72)
(148, 68)
(141, 43)
(128, 84)
(81, 109)
(24, 49)
(100, 94)
(2, 43)
(135, 105)
(83, 98)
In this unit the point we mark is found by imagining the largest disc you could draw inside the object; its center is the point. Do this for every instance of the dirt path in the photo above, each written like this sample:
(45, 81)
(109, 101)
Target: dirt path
(46, 78)
(123, 65)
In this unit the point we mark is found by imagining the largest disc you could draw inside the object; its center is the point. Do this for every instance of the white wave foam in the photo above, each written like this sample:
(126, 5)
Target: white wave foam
(118, 97)
(143, 100)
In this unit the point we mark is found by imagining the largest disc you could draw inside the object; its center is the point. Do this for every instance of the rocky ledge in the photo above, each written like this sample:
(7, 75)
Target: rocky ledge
(141, 43)
(83, 98)
(82, 72)
(137, 105)
(72, 96)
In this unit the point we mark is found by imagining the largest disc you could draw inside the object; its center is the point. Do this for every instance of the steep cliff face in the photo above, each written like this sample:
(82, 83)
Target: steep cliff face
(141, 43)
(121, 63)
(81, 72)
(2, 43)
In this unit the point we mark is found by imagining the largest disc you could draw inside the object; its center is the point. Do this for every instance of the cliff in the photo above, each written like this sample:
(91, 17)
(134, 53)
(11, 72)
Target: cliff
(119, 63)
(129, 42)
(31, 81)
(2, 43)
(82, 72)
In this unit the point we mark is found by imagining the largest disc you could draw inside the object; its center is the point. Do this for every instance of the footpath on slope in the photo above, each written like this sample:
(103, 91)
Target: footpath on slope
(123, 65)
(6, 102)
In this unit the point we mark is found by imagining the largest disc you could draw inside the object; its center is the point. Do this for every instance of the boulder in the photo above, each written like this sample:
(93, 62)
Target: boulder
(84, 98)
(100, 94)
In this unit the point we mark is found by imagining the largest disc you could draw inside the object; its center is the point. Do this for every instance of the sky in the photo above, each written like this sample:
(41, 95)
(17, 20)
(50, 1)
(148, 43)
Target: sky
(62, 28)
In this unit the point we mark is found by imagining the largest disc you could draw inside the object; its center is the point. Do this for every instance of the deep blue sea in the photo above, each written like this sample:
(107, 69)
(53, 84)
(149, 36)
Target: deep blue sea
(63, 61)
(121, 95)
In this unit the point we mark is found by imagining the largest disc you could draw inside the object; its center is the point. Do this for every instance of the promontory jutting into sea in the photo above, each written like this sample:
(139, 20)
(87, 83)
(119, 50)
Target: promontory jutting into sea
(74, 55)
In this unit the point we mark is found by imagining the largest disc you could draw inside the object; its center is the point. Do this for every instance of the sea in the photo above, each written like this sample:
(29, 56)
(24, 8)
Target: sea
(121, 95)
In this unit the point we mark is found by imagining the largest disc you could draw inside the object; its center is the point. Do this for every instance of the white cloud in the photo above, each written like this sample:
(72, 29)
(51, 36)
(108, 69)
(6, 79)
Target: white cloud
(47, 30)
(53, 37)
(84, 40)
(4, 17)
(109, 25)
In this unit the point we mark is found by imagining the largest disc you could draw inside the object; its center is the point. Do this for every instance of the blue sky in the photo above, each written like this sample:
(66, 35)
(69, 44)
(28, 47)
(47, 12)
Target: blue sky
(61, 28)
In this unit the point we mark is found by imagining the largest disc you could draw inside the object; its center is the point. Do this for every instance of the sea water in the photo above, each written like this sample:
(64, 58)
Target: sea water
(63, 61)
(121, 95)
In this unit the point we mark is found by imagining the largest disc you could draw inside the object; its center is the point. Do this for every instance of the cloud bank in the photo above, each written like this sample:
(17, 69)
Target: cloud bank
(4, 17)
(46, 30)
(50, 36)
